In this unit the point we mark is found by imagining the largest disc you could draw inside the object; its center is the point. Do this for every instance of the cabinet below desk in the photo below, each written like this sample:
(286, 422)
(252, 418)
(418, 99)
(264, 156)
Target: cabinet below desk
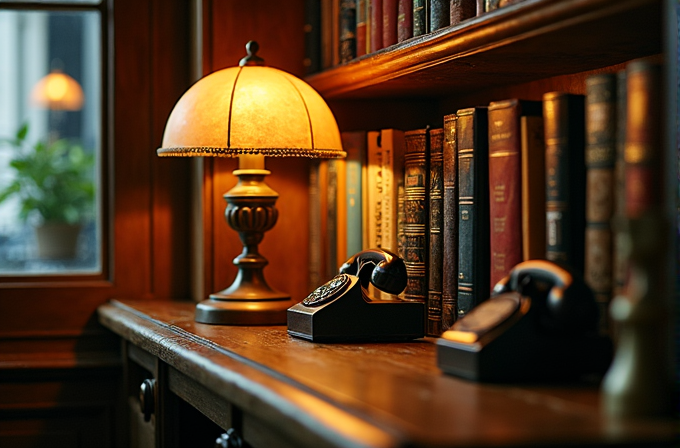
(272, 390)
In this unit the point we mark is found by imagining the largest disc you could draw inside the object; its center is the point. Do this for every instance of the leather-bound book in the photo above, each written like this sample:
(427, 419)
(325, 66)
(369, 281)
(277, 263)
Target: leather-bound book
(436, 199)
(404, 20)
(460, 10)
(643, 139)
(505, 183)
(620, 257)
(361, 27)
(354, 143)
(439, 14)
(312, 29)
(374, 190)
(533, 188)
(389, 30)
(473, 208)
(416, 184)
(376, 28)
(564, 121)
(450, 223)
(600, 187)
(348, 28)
(421, 16)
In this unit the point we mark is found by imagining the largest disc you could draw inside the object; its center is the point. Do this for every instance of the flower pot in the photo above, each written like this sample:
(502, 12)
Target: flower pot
(57, 241)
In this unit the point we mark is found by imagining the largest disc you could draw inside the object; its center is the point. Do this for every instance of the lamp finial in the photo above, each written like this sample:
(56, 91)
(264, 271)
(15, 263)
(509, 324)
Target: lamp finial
(252, 48)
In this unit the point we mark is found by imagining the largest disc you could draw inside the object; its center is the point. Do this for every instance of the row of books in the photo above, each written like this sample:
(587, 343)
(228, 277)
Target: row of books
(337, 31)
(496, 185)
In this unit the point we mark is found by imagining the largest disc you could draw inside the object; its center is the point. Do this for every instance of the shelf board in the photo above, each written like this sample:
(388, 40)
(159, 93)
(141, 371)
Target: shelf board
(531, 40)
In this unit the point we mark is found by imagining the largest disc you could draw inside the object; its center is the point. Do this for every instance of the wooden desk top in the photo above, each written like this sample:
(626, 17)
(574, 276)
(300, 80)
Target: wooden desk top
(370, 394)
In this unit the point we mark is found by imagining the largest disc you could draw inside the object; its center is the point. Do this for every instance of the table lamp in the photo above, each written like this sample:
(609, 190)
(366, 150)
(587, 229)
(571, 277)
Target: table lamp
(249, 112)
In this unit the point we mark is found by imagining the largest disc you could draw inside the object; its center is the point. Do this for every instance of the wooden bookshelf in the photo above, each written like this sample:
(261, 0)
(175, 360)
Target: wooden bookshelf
(528, 41)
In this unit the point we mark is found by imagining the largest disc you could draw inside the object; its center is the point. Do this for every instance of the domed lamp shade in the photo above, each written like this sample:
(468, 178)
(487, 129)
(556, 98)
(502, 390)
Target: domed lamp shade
(249, 112)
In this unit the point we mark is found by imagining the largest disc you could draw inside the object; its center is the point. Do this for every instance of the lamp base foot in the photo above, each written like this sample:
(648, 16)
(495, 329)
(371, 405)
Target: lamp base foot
(218, 311)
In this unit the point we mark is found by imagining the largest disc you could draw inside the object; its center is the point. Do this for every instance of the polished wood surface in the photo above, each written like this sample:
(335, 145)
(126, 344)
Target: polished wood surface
(371, 394)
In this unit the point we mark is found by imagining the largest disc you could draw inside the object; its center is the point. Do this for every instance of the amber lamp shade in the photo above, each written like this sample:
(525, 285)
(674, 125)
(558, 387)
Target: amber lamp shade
(250, 111)
(58, 91)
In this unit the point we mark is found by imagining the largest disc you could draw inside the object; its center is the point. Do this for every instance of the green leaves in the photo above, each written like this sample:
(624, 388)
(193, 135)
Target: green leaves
(53, 180)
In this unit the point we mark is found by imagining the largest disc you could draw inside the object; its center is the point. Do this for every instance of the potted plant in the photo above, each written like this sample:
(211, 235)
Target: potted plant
(54, 184)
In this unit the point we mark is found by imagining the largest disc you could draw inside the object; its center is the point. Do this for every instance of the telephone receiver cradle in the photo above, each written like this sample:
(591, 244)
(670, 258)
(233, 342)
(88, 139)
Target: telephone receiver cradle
(341, 309)
(540, 324)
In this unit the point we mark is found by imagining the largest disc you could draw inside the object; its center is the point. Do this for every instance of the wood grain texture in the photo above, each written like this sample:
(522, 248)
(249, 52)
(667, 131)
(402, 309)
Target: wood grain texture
(516, 44)
(365, 394)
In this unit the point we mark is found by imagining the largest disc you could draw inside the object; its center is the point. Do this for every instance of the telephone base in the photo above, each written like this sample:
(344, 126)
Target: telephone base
(517, 357)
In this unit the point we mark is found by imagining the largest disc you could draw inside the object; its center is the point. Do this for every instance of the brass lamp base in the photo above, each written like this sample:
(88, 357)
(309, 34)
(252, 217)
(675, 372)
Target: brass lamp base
(243, 312)
(249, 300)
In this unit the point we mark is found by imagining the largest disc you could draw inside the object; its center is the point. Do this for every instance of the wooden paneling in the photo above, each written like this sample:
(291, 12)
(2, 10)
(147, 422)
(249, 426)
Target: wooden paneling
(58, 367)
(278, 28)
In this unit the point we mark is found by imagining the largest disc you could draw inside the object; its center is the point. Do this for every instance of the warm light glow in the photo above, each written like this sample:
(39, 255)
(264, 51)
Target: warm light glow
(58, 91)
(251, 109)
(466, 337)
(251, 162)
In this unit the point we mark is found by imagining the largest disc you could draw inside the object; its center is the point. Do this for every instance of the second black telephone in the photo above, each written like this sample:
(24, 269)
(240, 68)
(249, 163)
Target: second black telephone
(541, 323)
(341, 309)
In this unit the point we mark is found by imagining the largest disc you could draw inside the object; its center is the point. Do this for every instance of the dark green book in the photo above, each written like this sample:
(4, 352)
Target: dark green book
(473, 208)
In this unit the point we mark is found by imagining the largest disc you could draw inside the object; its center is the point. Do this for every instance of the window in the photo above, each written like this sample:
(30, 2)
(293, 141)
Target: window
(51, 151)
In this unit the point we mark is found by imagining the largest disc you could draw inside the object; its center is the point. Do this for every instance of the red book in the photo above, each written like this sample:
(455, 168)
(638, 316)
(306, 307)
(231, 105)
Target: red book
(390, 13)
(404, 20)
(376, 25)
(361, 27)
(505, 183)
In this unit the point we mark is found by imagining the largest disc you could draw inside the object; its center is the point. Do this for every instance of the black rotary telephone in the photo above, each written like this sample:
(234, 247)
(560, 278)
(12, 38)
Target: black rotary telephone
(539, 324)
(341, 309)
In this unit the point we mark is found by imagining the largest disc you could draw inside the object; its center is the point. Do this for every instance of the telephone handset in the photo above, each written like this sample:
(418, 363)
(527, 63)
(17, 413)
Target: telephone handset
(341, 309)
(539, 324)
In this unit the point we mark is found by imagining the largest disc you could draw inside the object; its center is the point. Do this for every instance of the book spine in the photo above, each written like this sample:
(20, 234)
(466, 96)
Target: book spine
(341, 254)
(389, 28)
(450, 222)
(405, 20)
(473, 209)
(392, 144)
(415, 206)
(600, 162)
(564, 122)
(620, 235)
(327, 28)
(533, 188)
(376, 25)
(481, 5)
(354, 143)
(439, 15)
(374, 191)
(490, 5)
(361, 28)
(312, 60)
(348, 28)
(332, 220)
(315, 233)
(420, 17)
(505, 183)
(460, 10)
(436, 199)
(505, 172)
(643, 139)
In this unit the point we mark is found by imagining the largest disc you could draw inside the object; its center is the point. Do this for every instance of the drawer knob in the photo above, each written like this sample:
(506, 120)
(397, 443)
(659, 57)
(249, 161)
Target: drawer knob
(147, 398)
(229, 439)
